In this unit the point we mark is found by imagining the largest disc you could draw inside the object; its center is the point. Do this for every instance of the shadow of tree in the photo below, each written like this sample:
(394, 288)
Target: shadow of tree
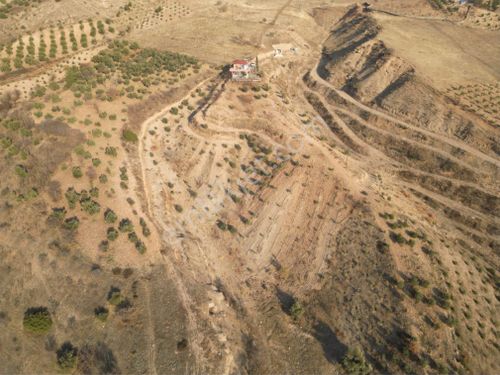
(286, 300)
(333, 348)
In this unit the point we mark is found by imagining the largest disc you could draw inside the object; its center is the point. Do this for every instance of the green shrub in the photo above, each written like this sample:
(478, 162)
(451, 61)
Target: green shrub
(67, 356)
(83, 40)
(296, 310)
(54, 86)
(123, 305)
(112, 234)
(101, 313)
(396, 237)
(145, 230)
(5, 66)
(64, 44)
(355, 363)
(132, 237)
(221, 225)
(37, 320)
(178, 208)
(90, 206)
(77, 172)
(72, 196)
(126, 226)
(80, 151)
(53, 48)
(129, 136)
(55, 98)
(25, 132)
(94, 192)
(80, 78)
(140, 246)
(100, 27)
(123, 174)
(450, 320)
(21, 171)
(398, 224)
(5, 142)
(412, 234)
(114, 296)
(71, 223)
(443, 298)
(111, 151)
(382, 246)
(110, 216)
(58, 213)
(104, 245)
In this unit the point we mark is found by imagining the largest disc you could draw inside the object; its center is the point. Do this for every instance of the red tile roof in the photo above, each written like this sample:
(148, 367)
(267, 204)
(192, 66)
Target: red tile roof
(240, 62)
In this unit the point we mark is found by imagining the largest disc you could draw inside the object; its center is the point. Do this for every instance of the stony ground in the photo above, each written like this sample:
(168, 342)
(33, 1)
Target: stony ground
(169, 220)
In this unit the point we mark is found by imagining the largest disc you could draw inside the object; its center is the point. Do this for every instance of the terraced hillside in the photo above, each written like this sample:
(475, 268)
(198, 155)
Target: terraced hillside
(338, 216)
(444, 160)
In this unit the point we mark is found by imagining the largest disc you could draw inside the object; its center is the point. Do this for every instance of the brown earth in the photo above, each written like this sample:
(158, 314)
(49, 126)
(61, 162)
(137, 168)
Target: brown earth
(345, 182)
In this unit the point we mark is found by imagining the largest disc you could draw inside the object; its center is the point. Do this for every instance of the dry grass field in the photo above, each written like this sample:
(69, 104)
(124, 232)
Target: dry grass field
(441, 50)
(339, 216)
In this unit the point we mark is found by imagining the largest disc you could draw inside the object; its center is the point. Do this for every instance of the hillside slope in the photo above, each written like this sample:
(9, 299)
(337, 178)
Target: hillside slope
(339, 216)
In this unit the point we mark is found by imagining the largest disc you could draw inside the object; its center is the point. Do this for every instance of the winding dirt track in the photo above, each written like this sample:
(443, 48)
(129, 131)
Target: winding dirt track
(193, 254)
(273, 21)
(437, 137)
(449, 141)
(199, 257)
(156, 215)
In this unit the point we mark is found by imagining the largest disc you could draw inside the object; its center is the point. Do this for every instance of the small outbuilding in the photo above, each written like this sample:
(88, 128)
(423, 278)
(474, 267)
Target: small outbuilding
(283, 49)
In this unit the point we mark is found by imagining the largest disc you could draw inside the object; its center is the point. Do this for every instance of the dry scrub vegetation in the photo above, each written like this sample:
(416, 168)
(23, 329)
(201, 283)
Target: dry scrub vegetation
(338, 216)
(483, 99)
